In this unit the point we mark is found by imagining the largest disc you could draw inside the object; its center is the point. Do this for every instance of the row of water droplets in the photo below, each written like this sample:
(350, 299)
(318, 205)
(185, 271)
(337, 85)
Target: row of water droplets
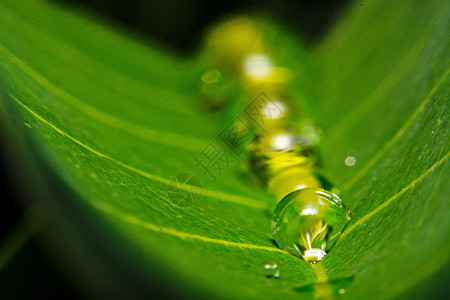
(309, 217)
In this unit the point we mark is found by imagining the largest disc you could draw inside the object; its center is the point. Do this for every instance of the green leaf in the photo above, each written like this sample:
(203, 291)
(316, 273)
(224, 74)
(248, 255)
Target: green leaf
(115, 119)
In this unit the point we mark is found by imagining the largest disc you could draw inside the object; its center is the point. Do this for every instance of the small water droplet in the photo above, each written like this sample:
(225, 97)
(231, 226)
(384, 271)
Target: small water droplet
(350, 161)
(341, 291)
(271, 271)
(308, 222)
(211, 76)
(274, 266)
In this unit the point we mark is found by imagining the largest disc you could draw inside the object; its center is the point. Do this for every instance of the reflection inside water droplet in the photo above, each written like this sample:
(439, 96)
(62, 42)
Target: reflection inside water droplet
(308, 222)
(278, 153)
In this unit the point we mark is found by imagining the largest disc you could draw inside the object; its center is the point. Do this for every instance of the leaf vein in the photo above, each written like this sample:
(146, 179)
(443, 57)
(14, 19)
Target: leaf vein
(183, 235)
(166, 138)
(389, 82)
(397, 136)
(213, 194)
(396, 196)
(89, 60)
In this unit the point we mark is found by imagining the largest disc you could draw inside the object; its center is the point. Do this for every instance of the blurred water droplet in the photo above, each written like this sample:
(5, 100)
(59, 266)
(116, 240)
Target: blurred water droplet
(277, 274)
(350, 161)
(273, 109)
(274, 266)
(258, 66)
(341, 291)
(211, 76)
(271, 271)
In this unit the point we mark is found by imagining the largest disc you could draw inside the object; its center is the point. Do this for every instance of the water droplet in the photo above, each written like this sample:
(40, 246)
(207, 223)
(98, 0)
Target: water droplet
(271, 271)
(278, 151)
(341, 291)
(258, 66)
(229, 42)
(215, 89)
(297, 178)
(274, 266)
(282, 142)
(273, 109)
(350, 161)
(211, 76)
(307, 223)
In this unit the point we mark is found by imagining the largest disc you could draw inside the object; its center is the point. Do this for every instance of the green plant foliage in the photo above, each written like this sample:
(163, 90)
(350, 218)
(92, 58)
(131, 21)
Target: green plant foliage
(116, 119)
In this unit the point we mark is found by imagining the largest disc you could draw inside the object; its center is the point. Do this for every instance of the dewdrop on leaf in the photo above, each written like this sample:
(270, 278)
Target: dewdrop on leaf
(307, 223)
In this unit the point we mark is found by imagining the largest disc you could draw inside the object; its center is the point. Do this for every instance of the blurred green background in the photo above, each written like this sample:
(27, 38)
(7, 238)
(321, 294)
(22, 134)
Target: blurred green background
(382, 87)
(177, 24)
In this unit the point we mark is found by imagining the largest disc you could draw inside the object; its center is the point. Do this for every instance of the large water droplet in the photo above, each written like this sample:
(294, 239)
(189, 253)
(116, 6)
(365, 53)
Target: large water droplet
(307, 222)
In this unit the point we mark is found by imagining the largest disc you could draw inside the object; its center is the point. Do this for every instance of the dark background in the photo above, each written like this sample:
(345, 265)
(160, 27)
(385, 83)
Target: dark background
(179, 23)
(174, 23)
